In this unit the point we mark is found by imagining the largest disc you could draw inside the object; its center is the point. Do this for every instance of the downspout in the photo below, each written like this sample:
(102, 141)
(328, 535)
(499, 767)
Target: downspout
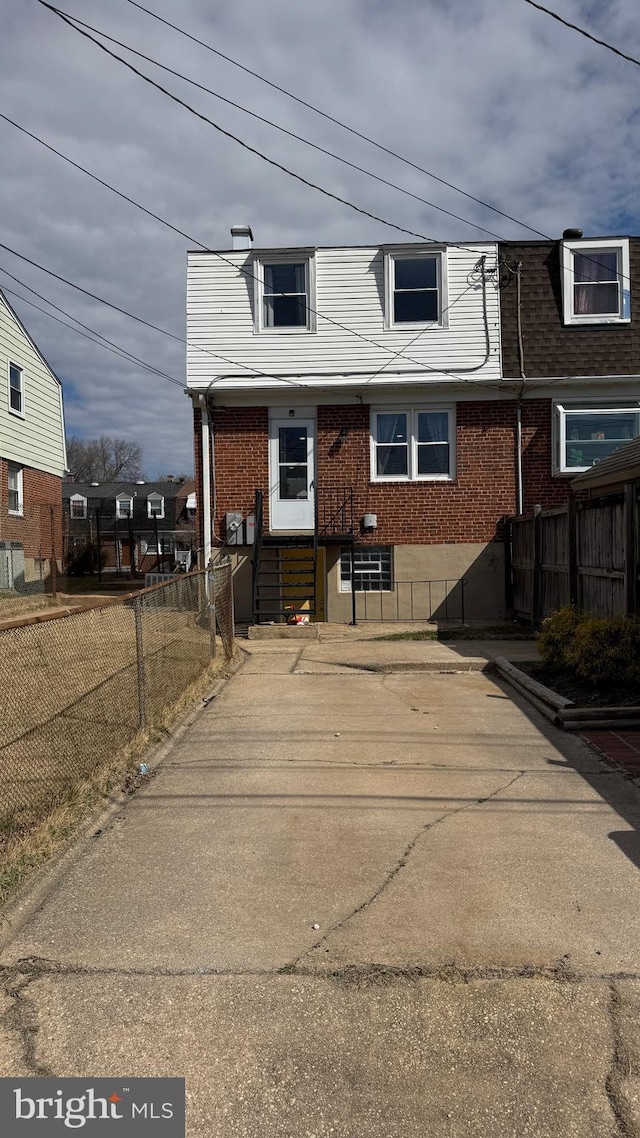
(519, 477)
(206, 483)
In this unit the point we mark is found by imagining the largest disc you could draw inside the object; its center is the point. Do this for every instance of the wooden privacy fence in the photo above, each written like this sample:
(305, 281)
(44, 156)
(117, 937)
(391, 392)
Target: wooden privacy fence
(584, 553)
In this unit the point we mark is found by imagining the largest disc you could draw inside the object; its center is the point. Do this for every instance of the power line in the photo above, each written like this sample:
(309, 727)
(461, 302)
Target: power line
(247, 273)
(227, 133)
(282, 129)
(110, 345)
(574, 28)
(337, 122)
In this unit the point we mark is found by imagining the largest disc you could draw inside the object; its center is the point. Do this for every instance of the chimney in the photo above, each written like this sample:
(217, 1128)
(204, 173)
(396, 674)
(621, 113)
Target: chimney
(171, 477)
(241, 237)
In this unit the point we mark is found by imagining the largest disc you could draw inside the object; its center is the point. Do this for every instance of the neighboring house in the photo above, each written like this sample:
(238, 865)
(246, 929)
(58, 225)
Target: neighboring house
(391, 404)
(32, 458)
(129, 527)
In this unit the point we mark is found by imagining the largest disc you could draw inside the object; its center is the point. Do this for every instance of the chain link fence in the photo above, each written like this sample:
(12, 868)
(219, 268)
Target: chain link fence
(78, 688)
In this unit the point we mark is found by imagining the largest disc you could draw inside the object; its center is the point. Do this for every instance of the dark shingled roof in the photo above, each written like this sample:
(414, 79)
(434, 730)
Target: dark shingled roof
(621, 466)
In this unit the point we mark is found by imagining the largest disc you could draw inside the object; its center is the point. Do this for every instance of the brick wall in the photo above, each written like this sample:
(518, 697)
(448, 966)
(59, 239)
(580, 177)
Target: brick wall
(34, 529)
(550, 348)
(467, 510)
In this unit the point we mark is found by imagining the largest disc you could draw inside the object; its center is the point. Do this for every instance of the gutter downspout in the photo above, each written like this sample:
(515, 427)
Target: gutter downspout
(206, 483)
(519, 476)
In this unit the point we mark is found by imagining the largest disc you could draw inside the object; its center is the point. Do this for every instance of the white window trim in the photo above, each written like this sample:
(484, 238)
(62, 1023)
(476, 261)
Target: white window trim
(412, 414)
(404, 253)
(155, 498)
(621, 246)
(584, 407)
(19, 513)
(306, 257)
(124, 498)
(78, 498)
(12, 411)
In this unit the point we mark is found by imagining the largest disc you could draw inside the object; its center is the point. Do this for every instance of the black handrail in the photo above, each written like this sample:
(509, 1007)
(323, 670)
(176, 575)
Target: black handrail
(258, 513)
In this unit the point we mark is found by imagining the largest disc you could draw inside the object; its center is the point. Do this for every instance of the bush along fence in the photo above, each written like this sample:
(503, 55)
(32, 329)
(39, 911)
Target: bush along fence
(584, 553)
(78, 688)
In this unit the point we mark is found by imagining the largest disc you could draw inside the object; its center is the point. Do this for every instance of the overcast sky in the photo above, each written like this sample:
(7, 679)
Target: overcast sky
(489, 94)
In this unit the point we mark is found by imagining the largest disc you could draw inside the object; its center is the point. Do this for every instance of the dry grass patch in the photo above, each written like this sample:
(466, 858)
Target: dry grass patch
(26, 843)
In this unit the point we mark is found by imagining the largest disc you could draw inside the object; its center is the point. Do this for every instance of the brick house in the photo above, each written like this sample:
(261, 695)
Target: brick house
(376, 399)
(129, 527)
(32, 458)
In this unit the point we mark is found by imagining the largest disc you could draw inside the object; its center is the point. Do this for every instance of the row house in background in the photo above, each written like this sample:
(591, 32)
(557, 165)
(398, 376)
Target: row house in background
(32, 458)
(129, 527)
(387, 406)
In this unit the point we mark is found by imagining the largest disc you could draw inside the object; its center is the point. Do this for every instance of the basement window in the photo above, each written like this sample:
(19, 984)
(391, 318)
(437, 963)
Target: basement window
(373, 569)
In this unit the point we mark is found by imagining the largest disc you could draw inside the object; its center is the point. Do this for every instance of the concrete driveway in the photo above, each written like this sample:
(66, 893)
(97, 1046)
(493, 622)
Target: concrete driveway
(368, 894)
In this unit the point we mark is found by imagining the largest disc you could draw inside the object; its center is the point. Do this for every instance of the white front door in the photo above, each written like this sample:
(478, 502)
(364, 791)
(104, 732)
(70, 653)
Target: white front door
(291, 474)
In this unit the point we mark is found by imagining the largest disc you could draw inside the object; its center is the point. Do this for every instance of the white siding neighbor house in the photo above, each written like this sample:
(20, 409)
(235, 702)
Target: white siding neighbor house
(32, 456)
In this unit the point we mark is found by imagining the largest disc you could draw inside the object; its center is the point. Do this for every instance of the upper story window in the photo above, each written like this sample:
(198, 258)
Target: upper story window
(414, 286)
(77, 506)
(595, 282)
(14, 486)
(16, 389)
(585, 434)
(124, 506)
(411, 444)
(285, 294)
(155, 506)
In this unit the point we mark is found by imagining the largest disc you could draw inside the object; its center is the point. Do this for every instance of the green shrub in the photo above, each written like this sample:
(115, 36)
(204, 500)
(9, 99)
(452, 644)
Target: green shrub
(555, 638)
(604, 652)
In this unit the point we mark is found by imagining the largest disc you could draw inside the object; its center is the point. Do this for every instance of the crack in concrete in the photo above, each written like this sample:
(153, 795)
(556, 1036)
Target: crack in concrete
(401, 863)
(619, 1069)
(15, 978)
(21, 1019)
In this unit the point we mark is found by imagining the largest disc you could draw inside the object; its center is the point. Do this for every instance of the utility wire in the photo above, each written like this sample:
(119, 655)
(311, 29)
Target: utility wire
(282, 129)
(247, 273)
(567, 24)
(227, 133)
(337, 122)
(121, 353)
(113, 346)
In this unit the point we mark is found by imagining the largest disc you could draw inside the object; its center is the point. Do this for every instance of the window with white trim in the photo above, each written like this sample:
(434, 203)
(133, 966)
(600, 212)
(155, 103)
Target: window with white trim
(77, 506)
(155, 506)
(373, 569)
(16, 389)
(412, 444)
(285, 293)
(124, 506)
(165, 545)
(585, 434)
(14, 487)
(414, 286)
(595, 282)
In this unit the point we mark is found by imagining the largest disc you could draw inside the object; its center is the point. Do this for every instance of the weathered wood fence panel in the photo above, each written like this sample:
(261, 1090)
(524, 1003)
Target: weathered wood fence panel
(585, 553)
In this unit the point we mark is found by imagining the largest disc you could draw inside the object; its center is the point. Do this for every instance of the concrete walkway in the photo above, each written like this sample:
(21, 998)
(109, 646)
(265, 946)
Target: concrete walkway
(356, 903)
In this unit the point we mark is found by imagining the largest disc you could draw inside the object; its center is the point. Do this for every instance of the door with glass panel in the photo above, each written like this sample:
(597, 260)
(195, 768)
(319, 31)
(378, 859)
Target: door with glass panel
(291, 474)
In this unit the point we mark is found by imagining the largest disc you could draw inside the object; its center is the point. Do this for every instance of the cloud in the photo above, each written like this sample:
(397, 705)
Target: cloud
(496, 98)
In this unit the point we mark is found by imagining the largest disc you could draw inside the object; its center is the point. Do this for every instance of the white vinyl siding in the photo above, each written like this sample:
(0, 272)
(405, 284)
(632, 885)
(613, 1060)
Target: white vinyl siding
(37, 439)
(350, 290)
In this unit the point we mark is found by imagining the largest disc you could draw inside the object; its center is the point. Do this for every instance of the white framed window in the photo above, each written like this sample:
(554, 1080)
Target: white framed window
(155, 506)
(15, 500)
(585, 434)
(16, 390)
(411, 444)
(373, 569)
(415, 285)
(148, 547)
(285, 293)
(595, 282)
(77, 506)
(124, 506)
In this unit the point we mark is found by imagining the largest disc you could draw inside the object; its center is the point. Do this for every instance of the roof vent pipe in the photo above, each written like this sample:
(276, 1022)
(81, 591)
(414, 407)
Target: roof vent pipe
(241, 237)
(572, 235)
